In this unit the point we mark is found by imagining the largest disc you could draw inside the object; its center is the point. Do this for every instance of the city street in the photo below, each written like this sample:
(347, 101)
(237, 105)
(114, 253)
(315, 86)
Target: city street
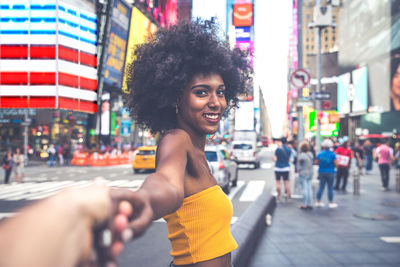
(153, 248)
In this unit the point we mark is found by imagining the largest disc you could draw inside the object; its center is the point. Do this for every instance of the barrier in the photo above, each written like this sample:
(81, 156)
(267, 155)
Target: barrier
(97, 159)
(248, 229)
(80, 159)
(356, 182)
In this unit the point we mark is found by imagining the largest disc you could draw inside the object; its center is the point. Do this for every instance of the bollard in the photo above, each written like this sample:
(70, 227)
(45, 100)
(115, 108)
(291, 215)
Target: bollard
(397, 186)
(356, 182)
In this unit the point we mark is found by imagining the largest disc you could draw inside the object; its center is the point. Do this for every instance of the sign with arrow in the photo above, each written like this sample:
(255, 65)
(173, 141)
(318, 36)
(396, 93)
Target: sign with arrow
(300, 78)
(320, 95)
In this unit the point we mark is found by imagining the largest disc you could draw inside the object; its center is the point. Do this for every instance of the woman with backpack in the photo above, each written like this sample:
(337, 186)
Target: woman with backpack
(305, 170)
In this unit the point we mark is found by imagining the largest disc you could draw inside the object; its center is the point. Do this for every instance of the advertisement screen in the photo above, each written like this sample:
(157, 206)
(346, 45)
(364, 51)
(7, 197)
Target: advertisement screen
(116, 51)
(140, 29)
(395, 82)
(243, 15)
(360, 83)
(48, 54)
(343, 103)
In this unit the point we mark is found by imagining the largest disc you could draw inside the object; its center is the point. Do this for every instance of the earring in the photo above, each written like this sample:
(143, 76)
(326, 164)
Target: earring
(176, 108)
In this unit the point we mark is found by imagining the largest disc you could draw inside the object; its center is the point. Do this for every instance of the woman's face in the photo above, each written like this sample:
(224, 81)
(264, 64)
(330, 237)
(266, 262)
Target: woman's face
(202, 104)
(396, 82)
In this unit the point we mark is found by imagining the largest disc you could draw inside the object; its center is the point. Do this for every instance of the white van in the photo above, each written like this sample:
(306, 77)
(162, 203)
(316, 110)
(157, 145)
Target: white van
(245, 152)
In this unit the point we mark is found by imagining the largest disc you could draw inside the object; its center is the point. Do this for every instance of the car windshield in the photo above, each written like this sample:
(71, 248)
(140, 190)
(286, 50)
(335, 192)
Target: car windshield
(242, 146)
(146, 152)
(211, 156)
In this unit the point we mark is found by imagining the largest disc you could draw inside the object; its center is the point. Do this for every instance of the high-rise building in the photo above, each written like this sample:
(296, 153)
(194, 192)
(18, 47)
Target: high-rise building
(329, 36)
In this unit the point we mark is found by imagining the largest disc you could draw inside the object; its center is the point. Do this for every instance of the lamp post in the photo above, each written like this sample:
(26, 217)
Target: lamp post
(322, 19)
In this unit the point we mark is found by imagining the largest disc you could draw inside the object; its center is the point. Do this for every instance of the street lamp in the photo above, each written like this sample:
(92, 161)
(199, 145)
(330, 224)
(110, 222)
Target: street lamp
(322, 19)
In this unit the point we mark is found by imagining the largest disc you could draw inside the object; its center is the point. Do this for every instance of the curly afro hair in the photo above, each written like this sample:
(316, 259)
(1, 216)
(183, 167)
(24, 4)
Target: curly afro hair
(168, 61)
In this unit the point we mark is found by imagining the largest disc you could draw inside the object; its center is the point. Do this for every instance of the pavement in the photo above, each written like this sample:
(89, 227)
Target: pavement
(363, 231)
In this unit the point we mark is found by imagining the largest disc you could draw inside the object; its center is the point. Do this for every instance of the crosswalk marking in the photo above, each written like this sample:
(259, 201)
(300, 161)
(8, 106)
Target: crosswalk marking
(391, 239)
(252, 191)
(35, 191)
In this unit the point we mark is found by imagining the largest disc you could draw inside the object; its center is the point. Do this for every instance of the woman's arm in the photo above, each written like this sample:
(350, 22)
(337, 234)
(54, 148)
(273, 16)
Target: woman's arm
(163, 191)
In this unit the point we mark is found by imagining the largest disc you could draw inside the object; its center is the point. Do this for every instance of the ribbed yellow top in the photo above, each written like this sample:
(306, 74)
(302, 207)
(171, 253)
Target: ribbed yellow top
(200, 229)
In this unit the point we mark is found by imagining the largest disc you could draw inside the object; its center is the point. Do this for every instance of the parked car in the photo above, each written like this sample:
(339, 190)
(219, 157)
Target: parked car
(145, 158)
(222, 167)
(245, 152)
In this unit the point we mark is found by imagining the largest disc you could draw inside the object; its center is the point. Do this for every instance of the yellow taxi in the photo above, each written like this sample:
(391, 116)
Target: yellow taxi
(145, 158)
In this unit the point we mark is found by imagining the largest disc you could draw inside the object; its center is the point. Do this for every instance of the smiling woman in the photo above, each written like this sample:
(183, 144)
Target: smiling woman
(181, 84)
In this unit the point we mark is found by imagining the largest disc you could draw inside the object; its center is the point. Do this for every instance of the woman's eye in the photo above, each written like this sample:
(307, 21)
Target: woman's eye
(221, 92)
(200, 93)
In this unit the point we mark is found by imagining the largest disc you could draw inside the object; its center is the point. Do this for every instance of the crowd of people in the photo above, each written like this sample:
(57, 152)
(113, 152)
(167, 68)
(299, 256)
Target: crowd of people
(333, 163)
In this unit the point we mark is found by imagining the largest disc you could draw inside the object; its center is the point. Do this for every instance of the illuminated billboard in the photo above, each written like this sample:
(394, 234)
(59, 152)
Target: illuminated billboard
(116, 51)
(48, 55)
(140, 28)
(242, 15)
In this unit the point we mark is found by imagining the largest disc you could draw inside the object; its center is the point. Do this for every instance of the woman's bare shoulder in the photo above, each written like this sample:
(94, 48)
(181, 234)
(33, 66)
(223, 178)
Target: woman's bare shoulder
(175, 139)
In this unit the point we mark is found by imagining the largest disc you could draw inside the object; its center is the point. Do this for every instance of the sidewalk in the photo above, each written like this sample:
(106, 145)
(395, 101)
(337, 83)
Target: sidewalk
(336, 237)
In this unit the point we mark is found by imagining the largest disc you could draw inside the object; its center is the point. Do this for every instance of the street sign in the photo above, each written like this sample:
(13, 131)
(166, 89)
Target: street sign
(320, 95)
(300, 78)
(25, 123)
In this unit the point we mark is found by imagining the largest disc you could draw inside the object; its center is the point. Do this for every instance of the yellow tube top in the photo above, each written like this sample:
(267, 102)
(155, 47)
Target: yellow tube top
(200, 229)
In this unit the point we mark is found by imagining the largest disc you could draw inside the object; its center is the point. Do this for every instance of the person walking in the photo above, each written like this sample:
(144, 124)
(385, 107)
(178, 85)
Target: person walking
(369, 153)
(7, 165)
(358, 153)
(282, 168)
(384, 154)
(19, 160)
(195, 80)
(52, 154)
(327, 161)
(344, 156)
(305, 171)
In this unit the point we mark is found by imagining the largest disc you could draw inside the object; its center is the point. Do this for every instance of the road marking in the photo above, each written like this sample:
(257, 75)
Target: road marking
(267, 165)
(112, 175)
(391, 239)
(233, 192)
(252, 191)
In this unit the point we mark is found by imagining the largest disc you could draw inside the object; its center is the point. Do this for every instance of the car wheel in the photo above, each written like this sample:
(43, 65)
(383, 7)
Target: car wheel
(226, 189)
(234, 182)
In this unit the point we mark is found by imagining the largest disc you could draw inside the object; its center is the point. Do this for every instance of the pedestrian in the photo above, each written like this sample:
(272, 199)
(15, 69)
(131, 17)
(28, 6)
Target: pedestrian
(396, 153)
(369, 153)
(60, 155)
(384, 154)
(306, 170)
(358, 153)
(52, 154)
(66, 154)
(344, 156)
(18, 159)
(326, 160)
(282, 168)
(195, 78)
(7, 165)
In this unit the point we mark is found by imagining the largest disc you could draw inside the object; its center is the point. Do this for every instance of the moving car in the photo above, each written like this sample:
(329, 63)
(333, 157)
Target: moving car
(145, 158)
(245, 152)
(222, 167)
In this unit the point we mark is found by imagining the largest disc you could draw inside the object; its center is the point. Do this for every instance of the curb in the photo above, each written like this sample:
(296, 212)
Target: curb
(249, 228)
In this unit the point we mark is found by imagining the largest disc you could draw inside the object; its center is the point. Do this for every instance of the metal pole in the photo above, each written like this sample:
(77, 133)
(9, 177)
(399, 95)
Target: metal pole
(26, 137)
(317, 102)
(356, 182)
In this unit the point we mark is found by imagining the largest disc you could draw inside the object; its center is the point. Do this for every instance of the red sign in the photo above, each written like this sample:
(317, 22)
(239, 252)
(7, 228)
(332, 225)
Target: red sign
(243, 15)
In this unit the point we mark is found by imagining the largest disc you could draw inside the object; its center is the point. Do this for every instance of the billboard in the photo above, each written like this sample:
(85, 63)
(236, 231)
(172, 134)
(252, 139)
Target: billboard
(140, 29)
(116, 50)
(360, 83)
(244, 116)
(242, 15)
(48, 55)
